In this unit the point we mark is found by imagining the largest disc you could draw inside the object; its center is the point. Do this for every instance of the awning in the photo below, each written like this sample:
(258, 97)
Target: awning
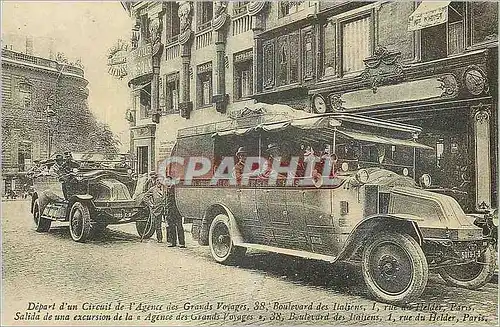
(427, 14)
(383, 139)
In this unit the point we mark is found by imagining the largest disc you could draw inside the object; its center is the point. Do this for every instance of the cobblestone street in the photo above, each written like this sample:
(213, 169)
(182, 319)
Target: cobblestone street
(49, 268)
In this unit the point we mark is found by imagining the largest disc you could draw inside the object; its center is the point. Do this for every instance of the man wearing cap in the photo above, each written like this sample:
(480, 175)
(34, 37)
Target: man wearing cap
(69, 163)
(57, 168)
(274, 151)
(151, 181)
(241, 156)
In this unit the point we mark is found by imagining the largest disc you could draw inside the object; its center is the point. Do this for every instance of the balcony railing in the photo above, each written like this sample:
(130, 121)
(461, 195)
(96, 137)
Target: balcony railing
(23, 57)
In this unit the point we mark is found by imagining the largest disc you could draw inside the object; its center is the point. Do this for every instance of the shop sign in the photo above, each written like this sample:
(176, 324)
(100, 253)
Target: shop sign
(140, 61)
(424, 89)
(117, 59)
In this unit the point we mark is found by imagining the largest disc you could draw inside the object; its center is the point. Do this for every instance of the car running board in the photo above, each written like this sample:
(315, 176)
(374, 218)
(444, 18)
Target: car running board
(295, 253)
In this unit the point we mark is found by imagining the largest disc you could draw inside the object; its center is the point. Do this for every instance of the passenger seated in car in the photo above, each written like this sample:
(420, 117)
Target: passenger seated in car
(241, 156)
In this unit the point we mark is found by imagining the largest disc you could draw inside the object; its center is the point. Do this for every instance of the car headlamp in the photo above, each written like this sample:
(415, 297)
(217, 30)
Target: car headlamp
(344, 166)
(129, 171)
(425, 180)
(494, 218)
(362, 176)
(405, 171)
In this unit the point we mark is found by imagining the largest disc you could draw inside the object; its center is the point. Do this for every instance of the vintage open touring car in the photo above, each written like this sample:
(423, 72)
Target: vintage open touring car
(97, 193)
(372, 210)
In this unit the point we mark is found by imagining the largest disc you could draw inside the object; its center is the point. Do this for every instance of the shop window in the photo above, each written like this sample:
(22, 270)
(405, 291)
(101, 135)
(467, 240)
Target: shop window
(243, 67)
(356, 38)
(204, 14)
(204, 77)
(286, 8)
(483, 21)
(288, 59)
(329, 38)
(445, 39)
(172, 23)
(240, 7)
(24, 155)
(172, 93)
(308, 55)
(145, 101)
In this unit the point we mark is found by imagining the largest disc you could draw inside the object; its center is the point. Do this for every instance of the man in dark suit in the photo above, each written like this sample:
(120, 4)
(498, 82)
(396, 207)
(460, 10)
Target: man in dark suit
(175, 230)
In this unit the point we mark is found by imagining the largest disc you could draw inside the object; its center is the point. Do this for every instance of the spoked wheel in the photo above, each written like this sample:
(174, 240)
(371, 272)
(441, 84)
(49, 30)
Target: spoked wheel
(394, 268)
(472, 275)
(79, 222)
(145, 228)
(221, 244)
(41, 224)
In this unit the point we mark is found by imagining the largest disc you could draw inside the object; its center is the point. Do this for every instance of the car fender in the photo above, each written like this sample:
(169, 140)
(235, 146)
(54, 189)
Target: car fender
(82, 197)
(211, 212)
(360, 235)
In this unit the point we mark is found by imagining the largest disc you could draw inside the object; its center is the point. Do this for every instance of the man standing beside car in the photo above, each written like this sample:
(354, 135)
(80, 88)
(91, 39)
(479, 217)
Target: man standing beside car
(175, 230)
(156, 199)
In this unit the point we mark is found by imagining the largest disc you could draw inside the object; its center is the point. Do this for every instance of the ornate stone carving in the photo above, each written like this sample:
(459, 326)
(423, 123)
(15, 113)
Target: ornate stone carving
(255, 7)
(382, 68)
(482, 117)
(336, 102)
(185, 17)
(220, 15)
(155, 32)
(449, 85)
(475, 80)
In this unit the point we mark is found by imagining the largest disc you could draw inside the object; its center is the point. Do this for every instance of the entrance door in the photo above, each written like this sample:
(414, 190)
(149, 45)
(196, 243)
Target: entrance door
(142, 158)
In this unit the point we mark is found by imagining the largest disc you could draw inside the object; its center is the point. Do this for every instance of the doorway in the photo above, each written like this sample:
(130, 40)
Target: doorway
(143, 159)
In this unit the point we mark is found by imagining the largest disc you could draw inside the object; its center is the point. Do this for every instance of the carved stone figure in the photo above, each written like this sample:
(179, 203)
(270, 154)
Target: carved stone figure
(184, 14)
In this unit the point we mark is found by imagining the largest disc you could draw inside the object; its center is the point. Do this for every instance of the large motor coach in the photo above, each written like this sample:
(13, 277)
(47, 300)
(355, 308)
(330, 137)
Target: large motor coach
(370, 209)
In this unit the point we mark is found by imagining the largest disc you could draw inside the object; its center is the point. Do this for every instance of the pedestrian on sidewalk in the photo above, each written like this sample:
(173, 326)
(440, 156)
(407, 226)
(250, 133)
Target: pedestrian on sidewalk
(175, 231)
(156, 198)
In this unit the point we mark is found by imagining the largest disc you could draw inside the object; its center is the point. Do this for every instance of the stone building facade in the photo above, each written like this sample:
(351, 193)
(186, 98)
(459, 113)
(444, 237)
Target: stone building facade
(432, 64)
(44, 111)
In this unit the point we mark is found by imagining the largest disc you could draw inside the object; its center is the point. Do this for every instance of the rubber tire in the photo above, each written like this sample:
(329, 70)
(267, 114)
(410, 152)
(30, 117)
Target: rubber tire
(42, 224)
(419, 267)
(234, 253)
(86, 225)
(481, 279)
(140, 226)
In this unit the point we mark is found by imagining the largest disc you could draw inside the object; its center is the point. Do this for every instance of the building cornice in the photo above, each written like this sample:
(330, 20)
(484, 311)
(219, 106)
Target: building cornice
(38, 68)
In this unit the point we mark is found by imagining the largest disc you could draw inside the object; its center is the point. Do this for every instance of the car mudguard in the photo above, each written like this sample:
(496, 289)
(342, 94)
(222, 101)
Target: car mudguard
(381, 222)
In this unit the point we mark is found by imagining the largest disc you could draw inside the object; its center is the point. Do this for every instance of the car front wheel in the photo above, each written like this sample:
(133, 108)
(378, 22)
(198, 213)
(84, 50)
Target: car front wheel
(41, 224)
(220, 242)
(472, 275)
(79, 222)
(394, 268)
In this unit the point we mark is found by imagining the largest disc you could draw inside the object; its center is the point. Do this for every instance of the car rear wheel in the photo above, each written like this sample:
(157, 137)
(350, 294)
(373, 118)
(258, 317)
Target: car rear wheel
(41, 224)
(472, 275)
(145, 228)
(394, 268)
(79, 222)
(220, 242)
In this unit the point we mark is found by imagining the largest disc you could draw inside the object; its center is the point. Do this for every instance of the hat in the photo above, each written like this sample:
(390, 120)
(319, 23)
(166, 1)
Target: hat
(272, 146)
(241, 149)
(67, 152)
(59, 157)
(153, 173)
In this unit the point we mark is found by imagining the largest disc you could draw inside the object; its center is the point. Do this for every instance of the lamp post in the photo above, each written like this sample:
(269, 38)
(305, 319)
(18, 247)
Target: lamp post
(50, 114)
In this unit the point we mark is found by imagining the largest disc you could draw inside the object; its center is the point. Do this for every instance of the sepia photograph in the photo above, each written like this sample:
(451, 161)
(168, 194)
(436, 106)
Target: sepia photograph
(230, 163)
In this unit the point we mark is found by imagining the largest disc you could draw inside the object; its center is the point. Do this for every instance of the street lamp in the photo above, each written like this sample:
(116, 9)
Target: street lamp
(50, 114)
